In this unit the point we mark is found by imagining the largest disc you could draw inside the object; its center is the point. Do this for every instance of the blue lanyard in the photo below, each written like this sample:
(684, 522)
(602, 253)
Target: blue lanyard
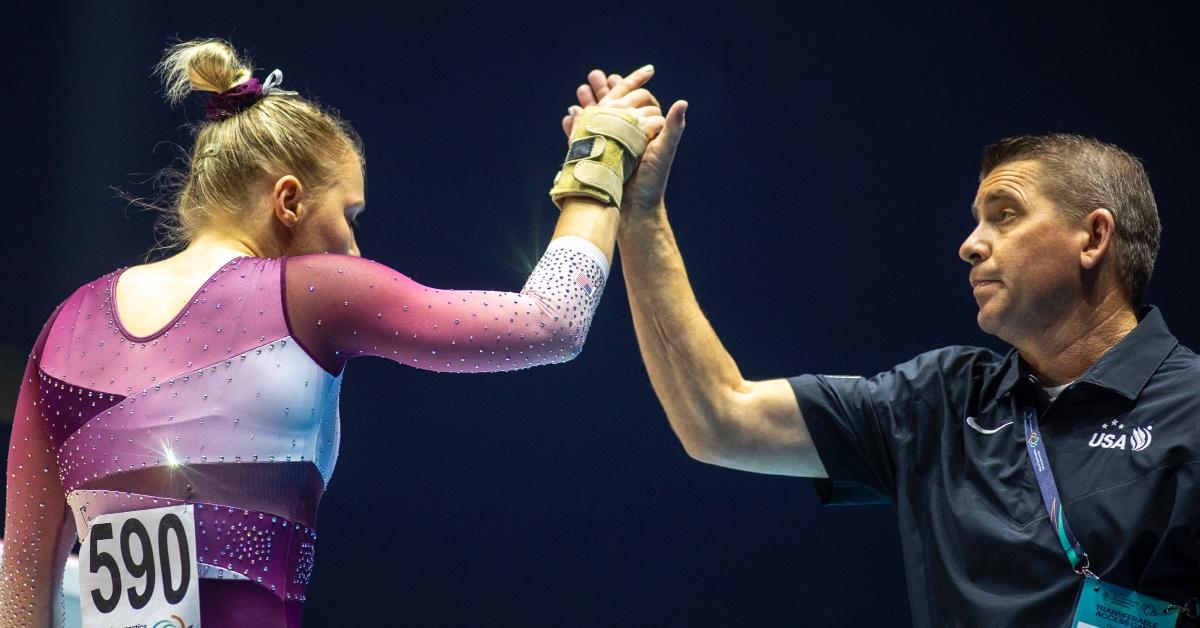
(1045, 477)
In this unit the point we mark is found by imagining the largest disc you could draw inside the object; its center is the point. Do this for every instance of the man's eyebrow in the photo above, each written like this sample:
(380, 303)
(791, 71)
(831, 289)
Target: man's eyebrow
(993, 196)
(1000, 195)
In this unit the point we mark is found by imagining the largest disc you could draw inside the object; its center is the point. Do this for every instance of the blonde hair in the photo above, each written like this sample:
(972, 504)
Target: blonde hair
(281, 133)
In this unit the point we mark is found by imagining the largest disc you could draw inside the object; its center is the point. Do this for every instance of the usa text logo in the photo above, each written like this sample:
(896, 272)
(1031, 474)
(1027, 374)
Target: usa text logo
(1115, 436)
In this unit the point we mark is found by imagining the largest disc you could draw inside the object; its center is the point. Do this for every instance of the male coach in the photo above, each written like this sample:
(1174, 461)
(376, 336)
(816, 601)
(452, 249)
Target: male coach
(1056, 485)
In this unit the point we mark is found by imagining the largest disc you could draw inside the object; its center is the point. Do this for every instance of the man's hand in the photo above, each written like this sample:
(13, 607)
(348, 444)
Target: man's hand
(626, 94)
(645, 189)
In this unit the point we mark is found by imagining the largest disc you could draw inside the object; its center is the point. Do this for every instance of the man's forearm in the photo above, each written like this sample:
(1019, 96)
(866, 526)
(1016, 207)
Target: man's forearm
(692, 373)
(718, 416)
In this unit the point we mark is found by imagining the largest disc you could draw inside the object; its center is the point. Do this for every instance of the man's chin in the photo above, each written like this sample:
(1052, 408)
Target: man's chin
(987, 321)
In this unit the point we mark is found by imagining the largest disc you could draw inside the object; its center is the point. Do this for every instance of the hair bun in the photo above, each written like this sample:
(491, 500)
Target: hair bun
(206, 65)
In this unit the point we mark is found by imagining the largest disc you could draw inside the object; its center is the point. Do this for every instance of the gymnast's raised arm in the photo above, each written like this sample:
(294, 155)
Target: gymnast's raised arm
(341, 306)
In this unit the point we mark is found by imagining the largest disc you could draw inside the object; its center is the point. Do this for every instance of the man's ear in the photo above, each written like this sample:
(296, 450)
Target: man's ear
(1102, 233)
(285, 200)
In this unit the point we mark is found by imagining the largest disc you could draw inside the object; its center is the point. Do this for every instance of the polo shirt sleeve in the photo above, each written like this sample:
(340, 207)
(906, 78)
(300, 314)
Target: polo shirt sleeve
(861, 426)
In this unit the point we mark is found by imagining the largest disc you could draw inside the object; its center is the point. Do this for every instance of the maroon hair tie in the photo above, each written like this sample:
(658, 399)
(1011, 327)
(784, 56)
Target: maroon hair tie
(233, 100)
(242, 95)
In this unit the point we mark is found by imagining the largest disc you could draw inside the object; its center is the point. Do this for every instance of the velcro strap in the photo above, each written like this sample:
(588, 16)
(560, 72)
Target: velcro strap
(598, 175)
(617, 127)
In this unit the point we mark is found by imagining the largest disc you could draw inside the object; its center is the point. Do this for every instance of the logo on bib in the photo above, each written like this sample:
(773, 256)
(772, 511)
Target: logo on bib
(1116, 436)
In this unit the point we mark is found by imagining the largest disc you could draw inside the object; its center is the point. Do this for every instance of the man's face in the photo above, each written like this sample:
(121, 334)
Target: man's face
(1024, 255)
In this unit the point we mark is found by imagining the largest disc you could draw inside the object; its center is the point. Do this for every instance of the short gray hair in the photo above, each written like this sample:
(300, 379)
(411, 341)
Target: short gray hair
(1082, 174)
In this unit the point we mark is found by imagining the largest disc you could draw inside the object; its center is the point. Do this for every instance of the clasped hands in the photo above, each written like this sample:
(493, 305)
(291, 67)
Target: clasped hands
(644, 190)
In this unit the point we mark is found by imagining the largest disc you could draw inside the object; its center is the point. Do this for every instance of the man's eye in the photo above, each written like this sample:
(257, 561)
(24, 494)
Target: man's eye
(354, 221)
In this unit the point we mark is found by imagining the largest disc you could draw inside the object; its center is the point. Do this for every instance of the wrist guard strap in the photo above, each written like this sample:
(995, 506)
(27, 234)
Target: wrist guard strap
(606, 145)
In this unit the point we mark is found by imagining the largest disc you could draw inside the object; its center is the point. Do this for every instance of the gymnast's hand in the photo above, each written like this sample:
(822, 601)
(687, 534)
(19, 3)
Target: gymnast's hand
(645, 189)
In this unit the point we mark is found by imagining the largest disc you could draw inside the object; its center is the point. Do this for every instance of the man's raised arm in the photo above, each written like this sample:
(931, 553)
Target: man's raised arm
(720, 417)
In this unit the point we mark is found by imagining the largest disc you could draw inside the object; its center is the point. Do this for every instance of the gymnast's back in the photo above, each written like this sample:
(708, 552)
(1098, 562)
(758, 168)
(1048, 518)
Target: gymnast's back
(220, 408)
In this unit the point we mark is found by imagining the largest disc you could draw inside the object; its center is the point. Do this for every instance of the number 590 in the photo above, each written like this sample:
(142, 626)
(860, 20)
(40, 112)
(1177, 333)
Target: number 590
(143, 568)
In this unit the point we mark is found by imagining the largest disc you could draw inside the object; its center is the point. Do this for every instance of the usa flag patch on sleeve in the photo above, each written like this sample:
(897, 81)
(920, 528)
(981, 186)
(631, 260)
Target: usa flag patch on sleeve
(586, 283)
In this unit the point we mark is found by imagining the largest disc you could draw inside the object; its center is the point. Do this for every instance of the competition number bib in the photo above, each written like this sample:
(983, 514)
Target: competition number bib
(139, 569)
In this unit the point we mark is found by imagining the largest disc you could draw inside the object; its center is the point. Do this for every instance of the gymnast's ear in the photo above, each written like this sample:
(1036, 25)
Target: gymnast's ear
(285, 200)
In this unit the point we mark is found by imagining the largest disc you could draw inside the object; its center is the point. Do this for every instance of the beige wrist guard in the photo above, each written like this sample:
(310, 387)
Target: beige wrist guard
(606, 145)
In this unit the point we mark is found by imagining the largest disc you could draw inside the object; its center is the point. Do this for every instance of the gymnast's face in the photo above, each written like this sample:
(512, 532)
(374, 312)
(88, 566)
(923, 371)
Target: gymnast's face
(1024, 255)
(325, 222)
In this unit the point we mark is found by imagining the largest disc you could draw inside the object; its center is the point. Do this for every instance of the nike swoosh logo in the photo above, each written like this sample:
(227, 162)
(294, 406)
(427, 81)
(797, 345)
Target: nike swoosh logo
(983, 430)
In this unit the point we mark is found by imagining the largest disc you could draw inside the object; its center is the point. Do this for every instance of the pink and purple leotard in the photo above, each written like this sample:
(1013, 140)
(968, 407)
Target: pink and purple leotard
(233, 407)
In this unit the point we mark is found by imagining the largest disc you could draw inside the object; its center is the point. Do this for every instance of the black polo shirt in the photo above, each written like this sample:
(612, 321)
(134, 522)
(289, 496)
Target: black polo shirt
(941, 437)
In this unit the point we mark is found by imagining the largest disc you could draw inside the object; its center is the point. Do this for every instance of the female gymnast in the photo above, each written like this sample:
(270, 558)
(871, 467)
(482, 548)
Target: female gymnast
(211, 377)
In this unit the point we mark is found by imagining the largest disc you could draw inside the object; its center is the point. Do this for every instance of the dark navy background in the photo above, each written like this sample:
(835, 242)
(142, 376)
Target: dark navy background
(819, 197)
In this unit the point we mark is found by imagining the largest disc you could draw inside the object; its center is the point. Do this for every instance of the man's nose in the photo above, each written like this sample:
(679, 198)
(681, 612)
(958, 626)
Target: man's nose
(974, 249)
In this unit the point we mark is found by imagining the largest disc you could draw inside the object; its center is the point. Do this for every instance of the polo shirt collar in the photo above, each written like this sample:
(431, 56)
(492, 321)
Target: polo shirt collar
(1125, 368)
